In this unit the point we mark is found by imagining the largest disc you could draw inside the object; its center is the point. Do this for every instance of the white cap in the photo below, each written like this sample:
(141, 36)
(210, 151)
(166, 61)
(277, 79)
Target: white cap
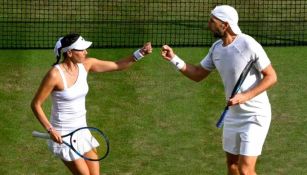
(227, 14)
(80, 44)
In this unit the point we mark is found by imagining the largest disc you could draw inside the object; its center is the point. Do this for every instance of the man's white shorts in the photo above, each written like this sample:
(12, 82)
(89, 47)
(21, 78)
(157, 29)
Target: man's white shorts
(246, 135)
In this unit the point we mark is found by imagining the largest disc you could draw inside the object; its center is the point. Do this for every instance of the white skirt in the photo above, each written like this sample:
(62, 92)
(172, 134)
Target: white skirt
(86, 142)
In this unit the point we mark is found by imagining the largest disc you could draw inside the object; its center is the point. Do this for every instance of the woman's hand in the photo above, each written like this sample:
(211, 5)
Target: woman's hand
(55, 136)
(146, 49)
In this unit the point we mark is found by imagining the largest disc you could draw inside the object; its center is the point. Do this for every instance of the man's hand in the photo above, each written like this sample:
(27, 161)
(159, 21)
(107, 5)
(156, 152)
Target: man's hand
(167, 53)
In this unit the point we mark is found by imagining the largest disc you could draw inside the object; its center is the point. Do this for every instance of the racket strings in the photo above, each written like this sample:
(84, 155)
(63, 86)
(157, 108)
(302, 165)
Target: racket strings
(102, 149)
(90, 143)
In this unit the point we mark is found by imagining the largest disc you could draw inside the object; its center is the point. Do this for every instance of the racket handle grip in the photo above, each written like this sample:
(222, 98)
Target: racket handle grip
(42, 135)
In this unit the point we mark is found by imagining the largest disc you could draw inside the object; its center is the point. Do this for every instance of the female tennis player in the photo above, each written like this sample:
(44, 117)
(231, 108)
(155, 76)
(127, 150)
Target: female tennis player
(66, 82)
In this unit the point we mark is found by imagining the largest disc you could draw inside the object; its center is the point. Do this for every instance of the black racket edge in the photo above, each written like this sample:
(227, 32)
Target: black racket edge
(235, 90)
(242, 77)
(219, 123)
(90, 128)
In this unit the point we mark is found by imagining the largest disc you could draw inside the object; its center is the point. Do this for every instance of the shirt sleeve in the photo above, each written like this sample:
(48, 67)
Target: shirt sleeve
(263, 59)
(207, 63)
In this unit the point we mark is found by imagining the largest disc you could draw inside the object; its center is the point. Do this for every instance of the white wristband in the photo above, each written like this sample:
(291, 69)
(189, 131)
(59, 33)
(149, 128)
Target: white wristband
(178, 62)
(138, 55)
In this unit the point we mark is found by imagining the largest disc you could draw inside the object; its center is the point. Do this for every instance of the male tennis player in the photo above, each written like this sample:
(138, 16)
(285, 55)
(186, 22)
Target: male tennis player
(247, 122)
(66, 82)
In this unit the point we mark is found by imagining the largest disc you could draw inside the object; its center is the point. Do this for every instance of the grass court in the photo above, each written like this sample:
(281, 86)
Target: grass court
(158, 121)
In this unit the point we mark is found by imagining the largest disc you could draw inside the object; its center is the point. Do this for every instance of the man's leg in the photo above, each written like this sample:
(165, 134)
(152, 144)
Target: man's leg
(247, 165)
(232, 164)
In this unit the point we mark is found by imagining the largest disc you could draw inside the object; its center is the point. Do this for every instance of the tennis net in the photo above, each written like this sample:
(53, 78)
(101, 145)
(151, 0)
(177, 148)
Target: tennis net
(130, 23)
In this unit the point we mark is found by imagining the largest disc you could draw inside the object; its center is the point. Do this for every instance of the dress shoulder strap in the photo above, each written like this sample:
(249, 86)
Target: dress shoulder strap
(62, 75)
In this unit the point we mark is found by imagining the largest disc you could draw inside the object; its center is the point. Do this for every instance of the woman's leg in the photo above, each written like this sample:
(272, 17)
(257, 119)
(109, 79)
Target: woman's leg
(77, 167)
(93, 166)
(84, 167)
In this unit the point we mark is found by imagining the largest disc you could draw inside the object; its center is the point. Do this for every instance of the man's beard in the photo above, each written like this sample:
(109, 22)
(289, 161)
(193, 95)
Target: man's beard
(218, 35)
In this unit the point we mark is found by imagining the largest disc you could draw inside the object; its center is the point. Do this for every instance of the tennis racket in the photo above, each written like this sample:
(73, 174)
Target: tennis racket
(75, 141)
(236, 89)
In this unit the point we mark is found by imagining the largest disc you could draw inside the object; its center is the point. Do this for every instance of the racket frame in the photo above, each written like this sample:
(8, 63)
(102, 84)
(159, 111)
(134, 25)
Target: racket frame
(236, 89)
(44, 135)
